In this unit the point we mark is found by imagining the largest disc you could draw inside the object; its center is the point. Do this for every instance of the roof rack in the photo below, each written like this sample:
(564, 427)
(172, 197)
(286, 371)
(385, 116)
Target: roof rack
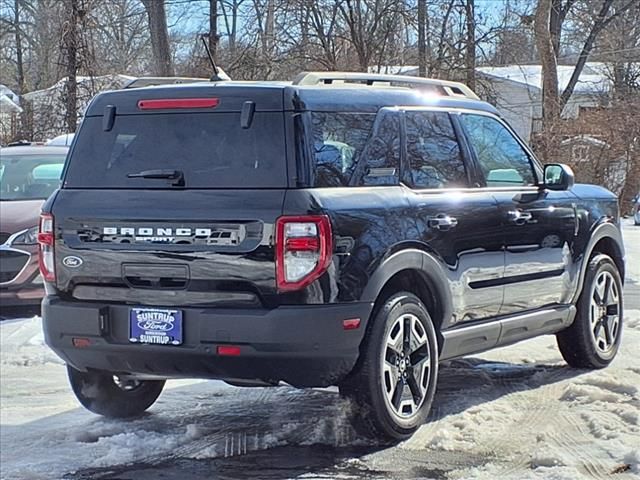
(151, 81)
(451, 89)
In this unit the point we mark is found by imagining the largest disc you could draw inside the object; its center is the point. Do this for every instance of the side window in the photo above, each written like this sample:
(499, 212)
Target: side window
(502, 160)
(433, 152)
(355, 149)
(381, 159)
(338, 141)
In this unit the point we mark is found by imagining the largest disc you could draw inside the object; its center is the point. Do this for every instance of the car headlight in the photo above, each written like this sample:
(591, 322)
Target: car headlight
(27, 237)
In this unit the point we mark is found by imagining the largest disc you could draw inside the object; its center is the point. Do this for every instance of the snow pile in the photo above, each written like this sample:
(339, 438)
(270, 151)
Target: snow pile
(538, 421)
(23, 344)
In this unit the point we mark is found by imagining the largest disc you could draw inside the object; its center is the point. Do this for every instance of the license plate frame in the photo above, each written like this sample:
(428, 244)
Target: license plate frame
(155, 326)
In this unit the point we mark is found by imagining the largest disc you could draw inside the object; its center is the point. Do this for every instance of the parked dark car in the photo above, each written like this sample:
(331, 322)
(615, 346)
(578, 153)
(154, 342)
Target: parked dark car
(28, 175)
(345, 229)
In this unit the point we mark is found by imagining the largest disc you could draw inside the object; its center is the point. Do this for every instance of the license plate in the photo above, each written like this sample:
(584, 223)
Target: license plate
(158, 326)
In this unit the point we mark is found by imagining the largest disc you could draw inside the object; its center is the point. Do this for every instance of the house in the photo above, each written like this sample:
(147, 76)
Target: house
(47, 107)
(516, 90)
(9, 114)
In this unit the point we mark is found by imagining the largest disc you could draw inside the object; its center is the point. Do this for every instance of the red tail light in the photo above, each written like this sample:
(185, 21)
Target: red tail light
(46, 258)
(304, 246)
(169, 103)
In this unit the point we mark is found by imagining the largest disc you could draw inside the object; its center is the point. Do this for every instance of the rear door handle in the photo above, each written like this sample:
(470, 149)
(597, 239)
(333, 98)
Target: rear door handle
(442, 221)
(519, 217)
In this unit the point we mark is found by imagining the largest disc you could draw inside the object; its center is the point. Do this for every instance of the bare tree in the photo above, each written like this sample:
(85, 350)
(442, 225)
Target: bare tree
(470, 50)
(601, 20)
(370, 23)
(548, 59)
(120, 37)
(422, 38)
(213, 27)
(159, 37)
(70, 42)
(18, 40)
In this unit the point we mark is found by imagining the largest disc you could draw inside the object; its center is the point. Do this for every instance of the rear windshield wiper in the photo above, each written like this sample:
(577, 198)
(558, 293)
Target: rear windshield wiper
(176, 175)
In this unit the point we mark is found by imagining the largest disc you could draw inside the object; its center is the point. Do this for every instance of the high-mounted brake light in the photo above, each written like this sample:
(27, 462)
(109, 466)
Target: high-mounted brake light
(304, 245)
(169, 103)
(46, 258)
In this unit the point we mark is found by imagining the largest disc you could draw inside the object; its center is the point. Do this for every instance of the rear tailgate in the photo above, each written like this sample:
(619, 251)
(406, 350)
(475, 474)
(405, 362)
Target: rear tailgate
(155, 247)
(170, 196)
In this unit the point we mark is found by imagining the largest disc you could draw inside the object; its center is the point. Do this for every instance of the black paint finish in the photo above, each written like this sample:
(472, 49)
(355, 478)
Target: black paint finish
(483, 253)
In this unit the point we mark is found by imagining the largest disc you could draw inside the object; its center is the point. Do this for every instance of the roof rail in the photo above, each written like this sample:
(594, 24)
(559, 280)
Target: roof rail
(451, 89)
(152, 81)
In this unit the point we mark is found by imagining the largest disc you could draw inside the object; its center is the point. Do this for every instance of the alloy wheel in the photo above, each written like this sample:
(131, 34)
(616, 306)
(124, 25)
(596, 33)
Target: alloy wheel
(405, 366)
(604, 313)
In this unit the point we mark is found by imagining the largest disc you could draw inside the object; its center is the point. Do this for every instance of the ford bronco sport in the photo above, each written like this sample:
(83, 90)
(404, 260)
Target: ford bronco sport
(343, 229)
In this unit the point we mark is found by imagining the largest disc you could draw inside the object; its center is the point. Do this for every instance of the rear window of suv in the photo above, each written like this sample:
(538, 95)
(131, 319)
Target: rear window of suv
(211, 150)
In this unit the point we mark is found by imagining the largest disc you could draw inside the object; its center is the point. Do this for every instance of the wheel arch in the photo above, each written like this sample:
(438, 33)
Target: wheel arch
(606, 238)
(415, 271)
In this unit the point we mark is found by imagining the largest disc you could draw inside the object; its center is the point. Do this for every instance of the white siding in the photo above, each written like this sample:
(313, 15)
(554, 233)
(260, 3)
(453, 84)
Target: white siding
(518, 105)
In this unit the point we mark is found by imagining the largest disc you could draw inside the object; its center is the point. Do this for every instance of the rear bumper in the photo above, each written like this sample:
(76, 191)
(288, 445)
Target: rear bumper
(305, 346)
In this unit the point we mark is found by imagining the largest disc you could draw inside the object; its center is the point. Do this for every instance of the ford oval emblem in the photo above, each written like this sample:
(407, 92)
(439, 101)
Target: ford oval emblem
(72, 261)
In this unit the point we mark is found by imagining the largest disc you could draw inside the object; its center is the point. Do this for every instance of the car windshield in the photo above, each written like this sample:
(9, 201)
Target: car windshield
(29, 177)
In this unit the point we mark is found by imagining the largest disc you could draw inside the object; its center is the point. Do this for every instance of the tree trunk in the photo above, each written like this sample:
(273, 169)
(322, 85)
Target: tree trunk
(213, 27)
(18, 39)
(269, 28)
(70, 42)
(555, 25)
(470, 57)
(422, 40)
(550, 105)
(159, 37)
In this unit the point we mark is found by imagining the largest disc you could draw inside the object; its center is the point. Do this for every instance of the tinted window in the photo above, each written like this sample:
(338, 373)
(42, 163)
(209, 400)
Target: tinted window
(29, 177)
(502, 160)
(381, 157)
(433, 152)
(338, 141)
(211, 149)
(355, 149)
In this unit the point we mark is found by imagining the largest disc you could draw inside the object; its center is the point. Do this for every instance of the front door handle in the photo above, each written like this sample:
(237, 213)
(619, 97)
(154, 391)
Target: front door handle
(519, 217)
(443, 221)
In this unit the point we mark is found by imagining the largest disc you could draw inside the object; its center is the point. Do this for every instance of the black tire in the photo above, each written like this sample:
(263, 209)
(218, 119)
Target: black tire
(99, 393)
(582, 345)
(370, 383)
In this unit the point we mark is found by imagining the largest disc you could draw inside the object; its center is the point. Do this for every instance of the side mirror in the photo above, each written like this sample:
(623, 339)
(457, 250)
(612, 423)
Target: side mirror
(558, 176)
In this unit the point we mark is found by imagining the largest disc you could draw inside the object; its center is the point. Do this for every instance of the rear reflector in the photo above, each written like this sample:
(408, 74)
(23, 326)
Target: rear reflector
(169, 103)
(228, 350)
(351, 324)
(81, 342)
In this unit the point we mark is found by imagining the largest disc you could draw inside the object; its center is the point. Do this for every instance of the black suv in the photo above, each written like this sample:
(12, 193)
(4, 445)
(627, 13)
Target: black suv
(343, 229)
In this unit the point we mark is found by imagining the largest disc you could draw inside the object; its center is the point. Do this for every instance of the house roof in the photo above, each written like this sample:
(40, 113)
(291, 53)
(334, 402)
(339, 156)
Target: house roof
(585, 139)
(7, 105)
(80, 79)
(595, 77)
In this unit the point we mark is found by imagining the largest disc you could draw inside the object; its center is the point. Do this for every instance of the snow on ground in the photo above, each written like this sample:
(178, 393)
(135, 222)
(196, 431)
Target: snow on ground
(514, 413)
